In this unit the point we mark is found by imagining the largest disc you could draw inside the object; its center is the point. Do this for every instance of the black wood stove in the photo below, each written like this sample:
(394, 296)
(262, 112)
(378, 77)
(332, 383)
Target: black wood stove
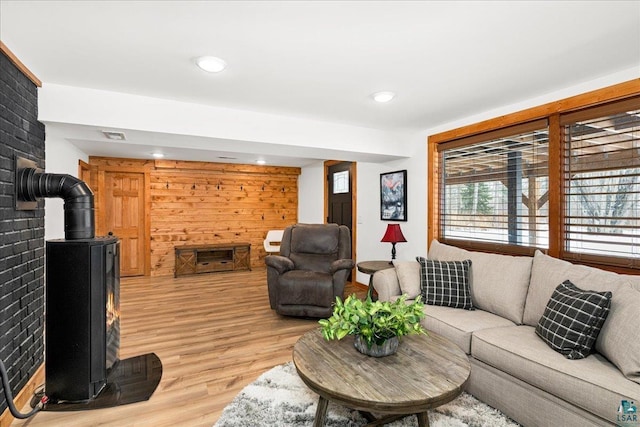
(82, 305)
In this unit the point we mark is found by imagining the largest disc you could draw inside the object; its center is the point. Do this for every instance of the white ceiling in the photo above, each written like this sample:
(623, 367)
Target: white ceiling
(321, 60)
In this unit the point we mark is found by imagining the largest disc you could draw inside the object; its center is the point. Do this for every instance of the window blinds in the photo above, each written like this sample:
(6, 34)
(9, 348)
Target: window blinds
(602, 184)
(494, 187)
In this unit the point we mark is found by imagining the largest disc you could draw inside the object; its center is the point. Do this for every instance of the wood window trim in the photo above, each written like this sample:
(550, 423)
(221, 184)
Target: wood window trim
(574, 103)
(493, 134)
(552, 112)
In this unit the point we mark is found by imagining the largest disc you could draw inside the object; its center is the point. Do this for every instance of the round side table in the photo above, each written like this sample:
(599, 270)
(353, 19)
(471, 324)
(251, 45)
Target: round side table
(370, 267)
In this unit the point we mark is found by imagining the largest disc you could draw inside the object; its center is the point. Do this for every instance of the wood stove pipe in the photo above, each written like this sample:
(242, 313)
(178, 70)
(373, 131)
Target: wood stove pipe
(79, 220)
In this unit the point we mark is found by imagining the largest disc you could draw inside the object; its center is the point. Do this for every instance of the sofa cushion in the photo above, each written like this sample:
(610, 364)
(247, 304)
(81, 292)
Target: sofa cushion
(572, 320)
(498, 283)
(458, 325)
(593, 383)
(445, 283)
(408, 277)
(619, 339)
(548, 272)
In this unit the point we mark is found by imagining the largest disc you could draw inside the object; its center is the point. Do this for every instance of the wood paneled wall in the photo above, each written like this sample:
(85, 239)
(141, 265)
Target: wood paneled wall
(201, 203)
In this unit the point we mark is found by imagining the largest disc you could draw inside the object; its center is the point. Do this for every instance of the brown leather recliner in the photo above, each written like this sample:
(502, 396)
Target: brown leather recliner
(311, 270)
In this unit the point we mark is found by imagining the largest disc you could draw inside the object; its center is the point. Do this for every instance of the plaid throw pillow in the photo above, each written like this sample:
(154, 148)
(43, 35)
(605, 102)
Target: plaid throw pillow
(445, 283)
(572, 319)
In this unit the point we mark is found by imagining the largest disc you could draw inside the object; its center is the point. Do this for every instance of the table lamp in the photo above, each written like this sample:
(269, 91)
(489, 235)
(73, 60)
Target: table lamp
(393, 235)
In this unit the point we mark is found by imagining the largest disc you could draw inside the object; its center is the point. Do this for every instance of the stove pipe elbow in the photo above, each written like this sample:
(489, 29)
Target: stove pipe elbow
(79, 220)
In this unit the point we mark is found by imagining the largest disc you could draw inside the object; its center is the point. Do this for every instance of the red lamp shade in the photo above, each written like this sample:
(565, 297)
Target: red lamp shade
(393, 234)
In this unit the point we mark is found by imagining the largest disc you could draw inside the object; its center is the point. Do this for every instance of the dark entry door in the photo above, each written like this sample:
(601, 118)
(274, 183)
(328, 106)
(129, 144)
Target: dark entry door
(340, 190)
(339, 180)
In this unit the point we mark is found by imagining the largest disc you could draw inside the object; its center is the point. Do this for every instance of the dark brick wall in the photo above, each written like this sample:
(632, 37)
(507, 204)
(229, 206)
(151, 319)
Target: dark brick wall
(21, 233)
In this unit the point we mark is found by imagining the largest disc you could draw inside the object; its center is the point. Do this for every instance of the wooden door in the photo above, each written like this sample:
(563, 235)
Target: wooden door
(340, 206)
(340, 193)
(124, 216)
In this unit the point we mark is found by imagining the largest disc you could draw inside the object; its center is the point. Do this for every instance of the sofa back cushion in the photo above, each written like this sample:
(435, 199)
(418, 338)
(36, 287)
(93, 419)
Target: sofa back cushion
(548, 272)
(408, 277)
(498, 283)
(619, 339)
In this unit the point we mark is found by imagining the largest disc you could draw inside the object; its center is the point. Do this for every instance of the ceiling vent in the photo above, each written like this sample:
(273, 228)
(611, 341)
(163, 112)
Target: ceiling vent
(116, 136)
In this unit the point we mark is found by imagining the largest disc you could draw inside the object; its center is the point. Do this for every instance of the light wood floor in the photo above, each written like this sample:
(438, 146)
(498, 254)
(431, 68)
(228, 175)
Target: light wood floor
(214, 334)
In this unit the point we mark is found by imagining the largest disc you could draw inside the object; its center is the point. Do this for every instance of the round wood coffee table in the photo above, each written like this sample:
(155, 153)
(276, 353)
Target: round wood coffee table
(426, 372)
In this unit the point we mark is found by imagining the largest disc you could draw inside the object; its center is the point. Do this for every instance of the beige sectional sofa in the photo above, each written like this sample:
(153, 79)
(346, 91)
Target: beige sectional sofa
(512, 368)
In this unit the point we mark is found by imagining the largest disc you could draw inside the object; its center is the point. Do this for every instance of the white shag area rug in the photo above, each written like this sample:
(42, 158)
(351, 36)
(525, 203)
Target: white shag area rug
(280, 398)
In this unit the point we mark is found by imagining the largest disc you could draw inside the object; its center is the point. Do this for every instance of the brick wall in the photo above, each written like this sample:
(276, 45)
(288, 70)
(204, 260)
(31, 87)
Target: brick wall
(21, 233)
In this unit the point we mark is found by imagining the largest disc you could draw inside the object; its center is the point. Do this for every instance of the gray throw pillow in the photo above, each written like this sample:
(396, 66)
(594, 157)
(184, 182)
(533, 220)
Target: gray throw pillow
(572, 320)
(445, 283)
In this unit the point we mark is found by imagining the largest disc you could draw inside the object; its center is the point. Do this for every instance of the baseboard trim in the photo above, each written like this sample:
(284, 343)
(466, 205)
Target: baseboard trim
(24, 396)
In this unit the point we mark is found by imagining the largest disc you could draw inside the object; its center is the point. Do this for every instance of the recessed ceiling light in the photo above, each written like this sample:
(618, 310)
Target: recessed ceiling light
(261, 162)
(115, 135)
(383, 96)
(157, 155)
(211, 64)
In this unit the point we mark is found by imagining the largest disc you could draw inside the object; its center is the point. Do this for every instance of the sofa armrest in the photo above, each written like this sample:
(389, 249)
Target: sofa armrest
(386, 284)
(280, 263)
(341, 264)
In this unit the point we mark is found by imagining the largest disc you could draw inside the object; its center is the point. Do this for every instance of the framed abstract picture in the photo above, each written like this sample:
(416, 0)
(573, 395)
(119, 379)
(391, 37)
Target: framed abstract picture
(393, 196)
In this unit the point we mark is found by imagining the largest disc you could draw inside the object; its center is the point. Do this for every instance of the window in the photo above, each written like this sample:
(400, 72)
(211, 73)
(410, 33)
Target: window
(495, 187)
(602, 184)
(341, 182)
(563, 177)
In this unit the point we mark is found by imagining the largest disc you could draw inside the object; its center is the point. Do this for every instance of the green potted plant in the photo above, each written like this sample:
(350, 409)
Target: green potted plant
(376, 325)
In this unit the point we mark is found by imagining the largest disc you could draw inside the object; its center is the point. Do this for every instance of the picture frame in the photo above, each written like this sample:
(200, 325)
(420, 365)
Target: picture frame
(393, 196)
